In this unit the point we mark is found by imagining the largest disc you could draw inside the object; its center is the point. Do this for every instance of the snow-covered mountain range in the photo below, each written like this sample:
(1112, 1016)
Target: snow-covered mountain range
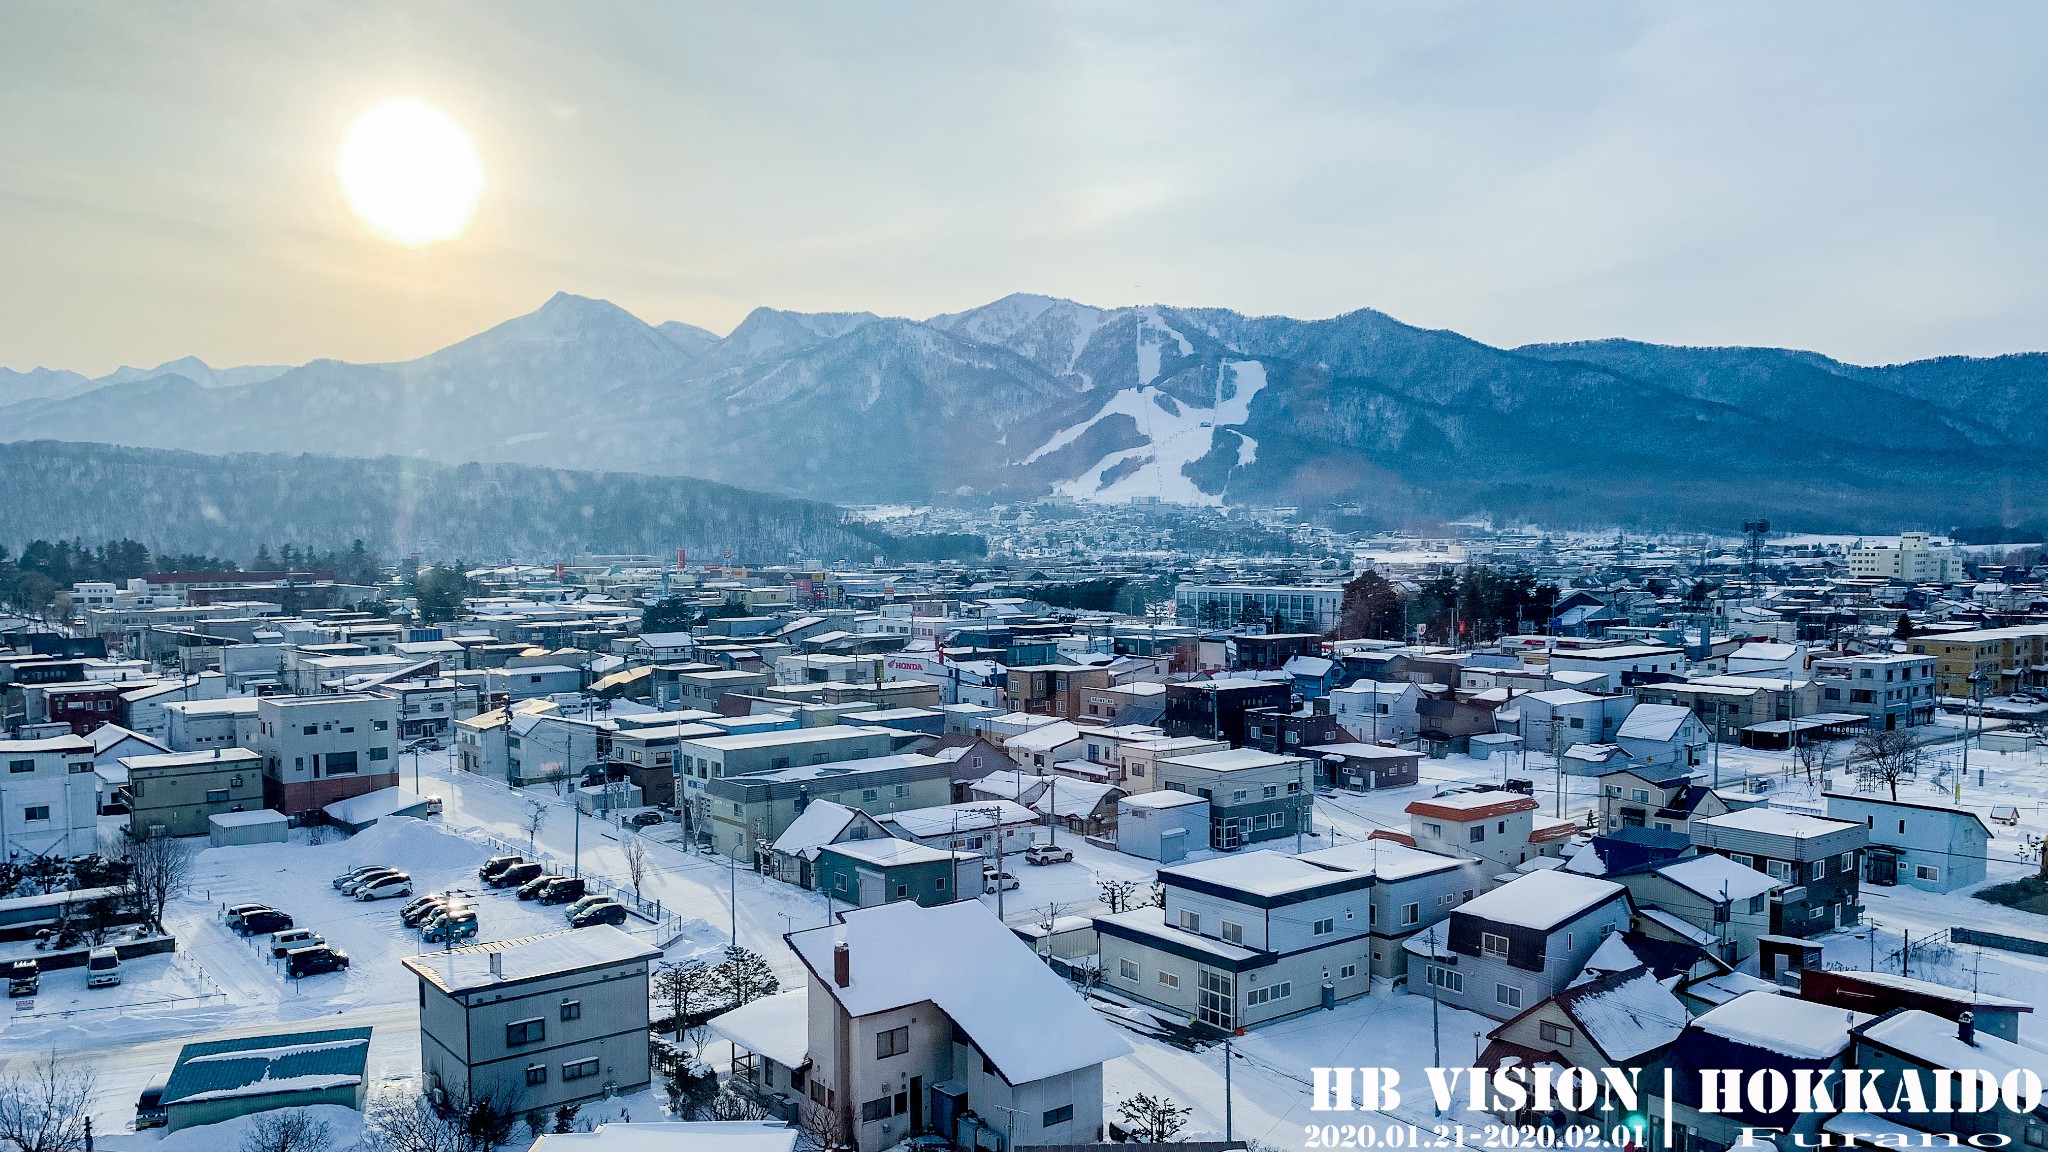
(1031, 394)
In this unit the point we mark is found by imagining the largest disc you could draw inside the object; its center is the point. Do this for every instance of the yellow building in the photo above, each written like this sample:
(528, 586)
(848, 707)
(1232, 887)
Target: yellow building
(2008, 658)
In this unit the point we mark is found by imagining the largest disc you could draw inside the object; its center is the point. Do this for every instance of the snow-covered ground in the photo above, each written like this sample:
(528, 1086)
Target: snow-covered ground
(219, 985)
(1177, 433)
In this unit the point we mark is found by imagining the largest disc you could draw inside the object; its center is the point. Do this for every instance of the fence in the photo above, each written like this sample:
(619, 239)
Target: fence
(2029, 945)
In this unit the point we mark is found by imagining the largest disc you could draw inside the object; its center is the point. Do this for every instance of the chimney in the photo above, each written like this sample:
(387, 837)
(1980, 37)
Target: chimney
(842, 966)
(1966, 1028)
(497, 965)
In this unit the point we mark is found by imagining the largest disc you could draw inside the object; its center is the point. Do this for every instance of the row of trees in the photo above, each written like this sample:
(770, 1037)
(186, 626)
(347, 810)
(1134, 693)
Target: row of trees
(1475, 603)
(32, 581)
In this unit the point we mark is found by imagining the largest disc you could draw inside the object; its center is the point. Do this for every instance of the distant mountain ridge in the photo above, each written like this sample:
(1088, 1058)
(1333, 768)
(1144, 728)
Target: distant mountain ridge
(1032, 394)
(231, 505)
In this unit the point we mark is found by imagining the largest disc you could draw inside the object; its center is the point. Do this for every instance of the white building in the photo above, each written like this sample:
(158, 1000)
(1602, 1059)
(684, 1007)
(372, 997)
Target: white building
(49, 798)
(1914, 559)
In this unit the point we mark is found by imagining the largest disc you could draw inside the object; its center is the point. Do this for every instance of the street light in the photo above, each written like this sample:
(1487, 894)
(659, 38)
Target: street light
(1976, 681)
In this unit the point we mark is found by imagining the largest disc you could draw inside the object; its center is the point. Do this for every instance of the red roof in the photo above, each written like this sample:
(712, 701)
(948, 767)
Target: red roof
(1396, 837)
(1465, 815)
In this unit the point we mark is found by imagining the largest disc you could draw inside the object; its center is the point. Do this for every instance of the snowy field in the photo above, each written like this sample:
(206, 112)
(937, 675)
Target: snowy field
(221, 985)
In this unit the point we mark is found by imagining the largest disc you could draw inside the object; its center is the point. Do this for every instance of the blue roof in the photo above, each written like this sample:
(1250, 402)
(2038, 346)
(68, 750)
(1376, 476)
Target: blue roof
(262, 1065)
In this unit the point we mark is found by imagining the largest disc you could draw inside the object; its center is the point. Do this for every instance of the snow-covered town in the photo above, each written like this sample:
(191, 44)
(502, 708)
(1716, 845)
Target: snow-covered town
(889, 855)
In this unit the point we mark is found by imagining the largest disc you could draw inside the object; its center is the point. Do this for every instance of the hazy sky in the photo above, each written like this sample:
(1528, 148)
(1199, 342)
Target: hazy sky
(1864, 179)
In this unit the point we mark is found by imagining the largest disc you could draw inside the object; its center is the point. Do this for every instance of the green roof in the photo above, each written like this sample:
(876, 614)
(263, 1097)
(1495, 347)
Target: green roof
(262, 1065)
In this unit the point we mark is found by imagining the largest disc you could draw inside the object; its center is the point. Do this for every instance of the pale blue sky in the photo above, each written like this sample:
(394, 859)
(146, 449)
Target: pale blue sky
(1863, 179)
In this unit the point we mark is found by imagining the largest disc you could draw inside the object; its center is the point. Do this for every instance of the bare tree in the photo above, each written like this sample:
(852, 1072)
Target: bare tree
(407, 1123)
(160, 870)
(287, 1130)
(638, 865)
(821, 1128)
(1152, 1119)
(730, 1105)
(43, 1106)
(1118, 894)
(536, 818)
(1811, 756)
(1888, 757)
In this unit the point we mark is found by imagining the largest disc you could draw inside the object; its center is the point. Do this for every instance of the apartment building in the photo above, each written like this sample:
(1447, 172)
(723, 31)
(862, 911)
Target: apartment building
(544, 1021)
(1894, 689)
(707, 758)
(49, 798)
(1252, 795)
(752, 811)
(320, 749)
(174, 794)
(2005, 659)
(1816, 857)
(1915, 559)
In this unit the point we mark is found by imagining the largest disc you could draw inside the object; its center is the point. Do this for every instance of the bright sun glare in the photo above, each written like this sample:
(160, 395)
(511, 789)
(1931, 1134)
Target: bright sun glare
(409, 171)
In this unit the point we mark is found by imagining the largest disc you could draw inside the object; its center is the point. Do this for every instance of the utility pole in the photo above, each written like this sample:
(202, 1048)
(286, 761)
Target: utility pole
(732, 895)
(1301, 807)
(1436, 1035)
(1227, 1102)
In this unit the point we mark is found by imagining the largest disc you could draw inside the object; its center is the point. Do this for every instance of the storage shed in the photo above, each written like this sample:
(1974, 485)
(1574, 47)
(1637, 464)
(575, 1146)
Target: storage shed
(259, 827)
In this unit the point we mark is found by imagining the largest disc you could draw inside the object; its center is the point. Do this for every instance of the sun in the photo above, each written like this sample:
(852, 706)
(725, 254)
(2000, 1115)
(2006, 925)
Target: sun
(410, 171)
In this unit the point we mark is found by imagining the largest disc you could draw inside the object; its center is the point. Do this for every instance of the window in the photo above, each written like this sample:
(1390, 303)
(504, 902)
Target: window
(877, 1109)
(525, 1032)
(1235, 932)
(1756, 904)
(1411, 914)
(18, 766)
(1239, 794)
(1325, 926)
(81, 769)
(310, 730)
(536, 1075)
(1745, 861)
(1778, 870)
(380, 753)
(572, 1009)
(216, 795)
(894, 1042)
(868, 795)
(1169, 979)
(938, 884)
(1436, 830)
(1926, 872)
(581, 1069)
(1493, 944)
(1446, 979)
(1477, 833)
(36, 812)
(1271, 790)
(1846, 862)
(1347, 972)
(1059, 1115)
(1507, 995)
(1192, 921)
(341, 763)
(1639, 795)
(1280, 991)
(1127, 969)
(1578, 722)
(1554, 1034)
(385, 725)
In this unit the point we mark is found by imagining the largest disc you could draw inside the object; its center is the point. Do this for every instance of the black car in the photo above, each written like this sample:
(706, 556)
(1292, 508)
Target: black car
(264, 922)
(304, 962)
(516, 875)
(532, 888)
(565, 890)
(606, 913)
(497, 864)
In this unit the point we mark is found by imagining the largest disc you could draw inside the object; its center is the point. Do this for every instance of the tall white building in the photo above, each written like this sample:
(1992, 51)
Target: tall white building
(49, 798)
(1915, 559)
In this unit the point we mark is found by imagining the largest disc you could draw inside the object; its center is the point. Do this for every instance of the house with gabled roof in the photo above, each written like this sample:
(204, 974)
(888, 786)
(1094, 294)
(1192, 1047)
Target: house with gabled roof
(1621, 1016)
(1661, 734)
(1521, 943)
(940, 1020)
(1756, 1030)
(820, 824)
(1499, 827)
(1728, 901)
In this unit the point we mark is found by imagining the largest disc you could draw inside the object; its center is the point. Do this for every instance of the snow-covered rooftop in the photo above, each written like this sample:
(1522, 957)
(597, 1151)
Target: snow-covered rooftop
(1718, 878)
(1933, 1040)
(1799, 1029)
(1626, 1014)
(954, 955)
(1777, 822)
(1541, 900)
(468, 969)
(1261, 873)
(777, 1027)
(1653, 722)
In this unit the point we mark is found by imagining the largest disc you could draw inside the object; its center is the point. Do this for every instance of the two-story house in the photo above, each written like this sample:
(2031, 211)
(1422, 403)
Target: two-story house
(1661, 735)
(320, 749)
(1374, 711)
(1816, 857)
(1909, 1042)
(536, 1023)
(1501, 828)
(1411, 891)
(1730, 902)
(1252, 795)
(1509, 949)
(1756, 1030)
(1244, 940)
(176, 793)
(939, 1020)
(1930, 846)
(1893, 689)
(49, 798)
(750, 812)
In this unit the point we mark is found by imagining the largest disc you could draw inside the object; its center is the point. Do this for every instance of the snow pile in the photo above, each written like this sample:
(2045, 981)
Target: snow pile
(344, 1130)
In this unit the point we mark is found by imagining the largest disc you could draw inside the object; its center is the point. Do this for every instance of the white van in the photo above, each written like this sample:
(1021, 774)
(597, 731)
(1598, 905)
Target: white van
(102, 968)
(385, 887)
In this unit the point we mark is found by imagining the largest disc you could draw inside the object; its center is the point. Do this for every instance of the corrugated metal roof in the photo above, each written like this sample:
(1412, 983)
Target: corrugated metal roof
(287, 1060)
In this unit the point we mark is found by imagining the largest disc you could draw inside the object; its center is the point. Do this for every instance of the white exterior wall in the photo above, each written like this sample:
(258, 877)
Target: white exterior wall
(49, 799)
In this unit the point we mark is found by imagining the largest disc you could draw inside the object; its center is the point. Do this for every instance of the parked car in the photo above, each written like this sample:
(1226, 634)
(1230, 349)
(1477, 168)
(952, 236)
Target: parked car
(448, 929)
(496, 865)
(992, 880)
(1047, 854)
(290, 938)
(102, 968)
(434, 805)
(268, 920)
(356, 885)
(24, 977)
(587, 901)
(605, 912)
(562, 891)
(385, 887)
(354, 874)
(234, 912)
(304, 962)
(149, 1107)
(516, 875)
(647, 819)
(419, 908)
(531, 889)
